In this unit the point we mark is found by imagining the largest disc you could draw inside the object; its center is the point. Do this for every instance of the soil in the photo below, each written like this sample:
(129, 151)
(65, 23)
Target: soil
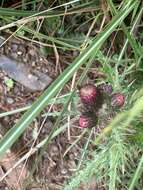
(54, 169)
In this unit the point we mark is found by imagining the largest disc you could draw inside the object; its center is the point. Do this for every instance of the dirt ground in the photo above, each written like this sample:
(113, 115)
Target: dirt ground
(54, 168)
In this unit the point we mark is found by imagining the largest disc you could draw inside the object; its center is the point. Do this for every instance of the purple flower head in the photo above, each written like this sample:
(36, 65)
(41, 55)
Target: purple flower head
(117, 100)
(88, 94)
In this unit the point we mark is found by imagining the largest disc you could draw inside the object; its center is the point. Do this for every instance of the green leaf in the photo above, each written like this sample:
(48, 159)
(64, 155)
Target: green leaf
(9, 83)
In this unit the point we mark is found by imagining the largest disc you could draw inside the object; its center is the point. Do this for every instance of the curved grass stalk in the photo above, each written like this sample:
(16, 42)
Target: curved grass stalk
(52, 13)
(33, 16)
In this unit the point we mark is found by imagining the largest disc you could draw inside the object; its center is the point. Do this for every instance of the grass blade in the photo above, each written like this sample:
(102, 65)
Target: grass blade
(137, 174)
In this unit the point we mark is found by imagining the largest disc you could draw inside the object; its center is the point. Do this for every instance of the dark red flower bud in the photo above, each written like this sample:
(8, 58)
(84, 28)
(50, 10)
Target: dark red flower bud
(86, 121)
(88, 94)
(118, 100)
(106, 88)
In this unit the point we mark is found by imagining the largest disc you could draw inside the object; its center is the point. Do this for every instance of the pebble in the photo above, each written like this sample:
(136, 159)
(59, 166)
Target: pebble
(64, 171)
(9, 100)
(19, 53)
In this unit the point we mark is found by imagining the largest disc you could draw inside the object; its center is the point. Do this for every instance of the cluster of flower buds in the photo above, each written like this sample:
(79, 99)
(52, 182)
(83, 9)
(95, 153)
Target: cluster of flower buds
(92, 98)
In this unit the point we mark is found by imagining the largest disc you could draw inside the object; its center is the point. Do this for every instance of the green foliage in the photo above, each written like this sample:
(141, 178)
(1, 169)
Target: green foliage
(116, 51)
(9, 83)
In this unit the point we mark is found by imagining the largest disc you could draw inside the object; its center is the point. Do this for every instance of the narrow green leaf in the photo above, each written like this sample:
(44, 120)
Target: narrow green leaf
(137, 174)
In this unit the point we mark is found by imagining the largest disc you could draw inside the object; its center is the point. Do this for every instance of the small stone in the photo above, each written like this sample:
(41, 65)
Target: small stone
(64, 171)
(19, 53)
(41, 59)
(9, 100)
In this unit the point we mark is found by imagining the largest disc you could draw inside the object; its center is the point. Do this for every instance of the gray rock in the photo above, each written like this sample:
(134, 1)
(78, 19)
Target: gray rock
(34, 81)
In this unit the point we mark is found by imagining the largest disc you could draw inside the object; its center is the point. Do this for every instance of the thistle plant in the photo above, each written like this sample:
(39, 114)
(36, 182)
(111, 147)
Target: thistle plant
(113, 55)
